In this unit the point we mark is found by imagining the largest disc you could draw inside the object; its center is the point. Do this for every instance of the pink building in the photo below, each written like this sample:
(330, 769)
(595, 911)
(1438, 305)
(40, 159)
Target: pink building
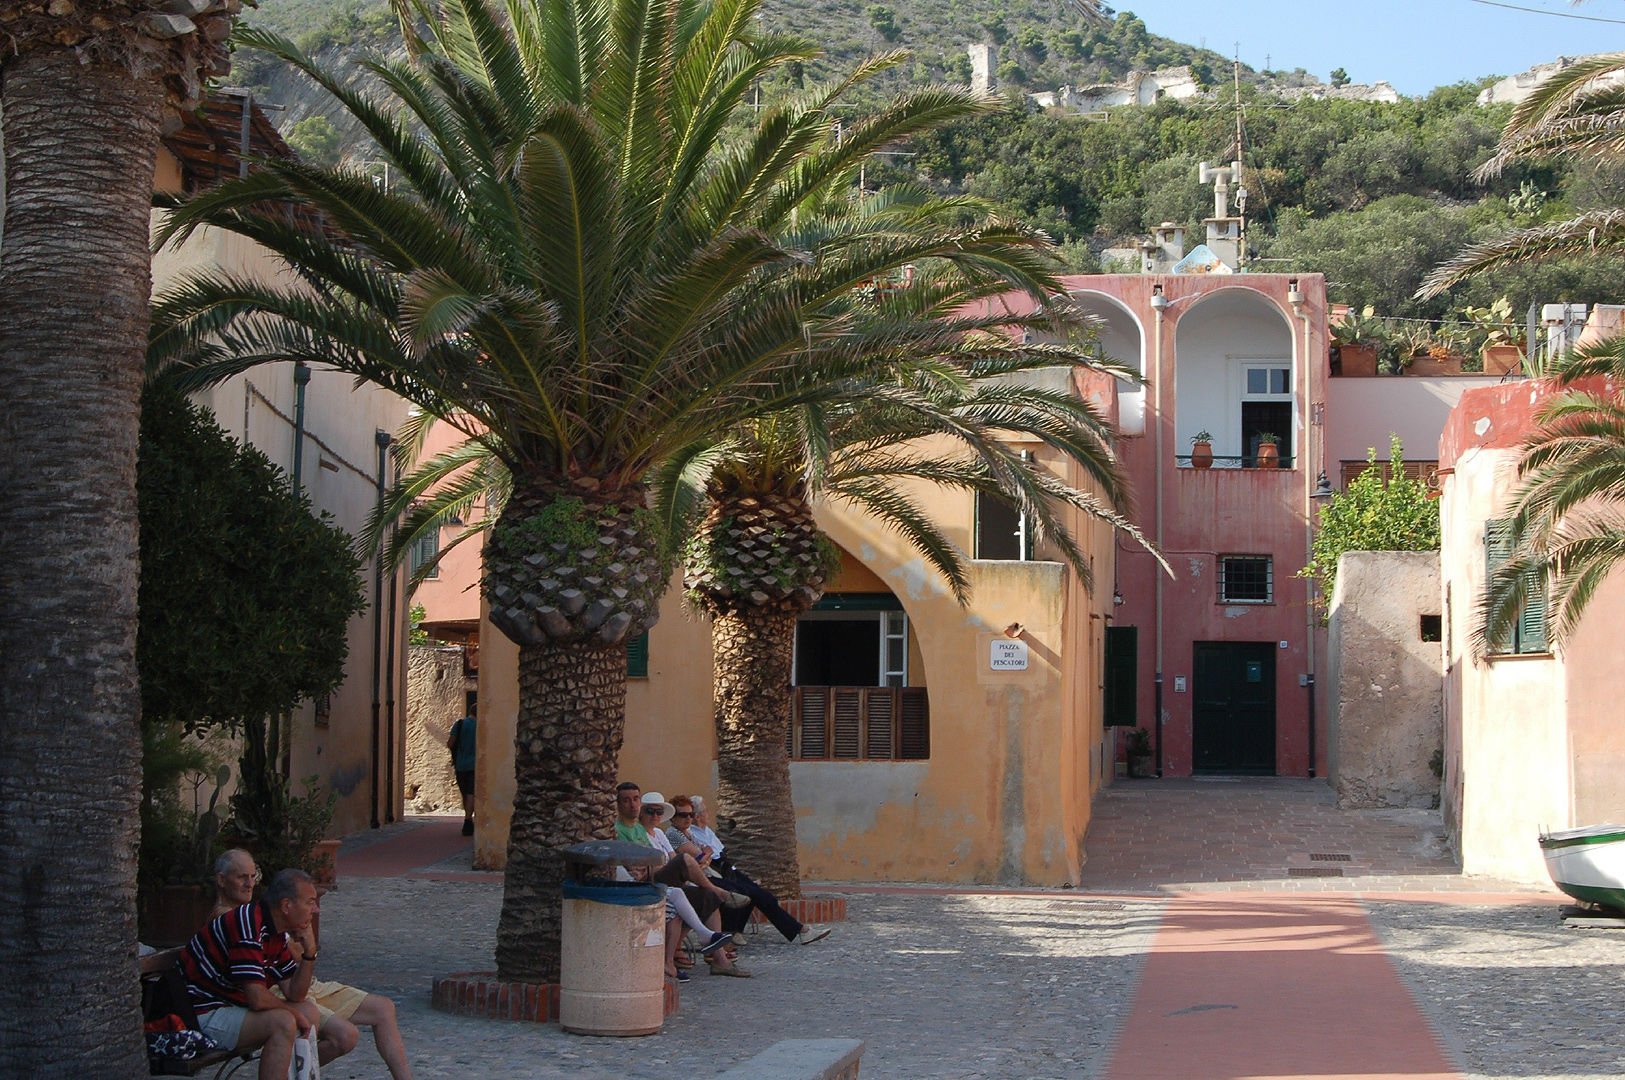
(1227, 646)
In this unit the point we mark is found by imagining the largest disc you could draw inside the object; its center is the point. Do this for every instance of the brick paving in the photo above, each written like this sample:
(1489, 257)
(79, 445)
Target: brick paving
(1039, 985)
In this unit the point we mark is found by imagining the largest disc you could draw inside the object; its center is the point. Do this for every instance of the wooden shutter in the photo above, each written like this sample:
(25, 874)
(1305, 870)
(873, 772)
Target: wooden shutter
(878, 714)
(848, 714)
(1532, 620)
(1497, 550)
(914, 724)
(813, 722)
(637, 657)
(1122, 663)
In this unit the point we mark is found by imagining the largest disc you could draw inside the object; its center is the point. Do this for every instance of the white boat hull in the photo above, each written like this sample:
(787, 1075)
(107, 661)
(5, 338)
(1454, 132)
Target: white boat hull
(1588, 863)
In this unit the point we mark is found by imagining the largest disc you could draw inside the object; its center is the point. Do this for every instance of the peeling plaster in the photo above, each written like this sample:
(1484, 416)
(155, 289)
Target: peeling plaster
(1233, 611)
(1196, 567)
(919, 581)
(1481, 426)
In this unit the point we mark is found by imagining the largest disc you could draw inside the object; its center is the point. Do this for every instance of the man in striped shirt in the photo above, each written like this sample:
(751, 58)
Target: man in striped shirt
(232, 963)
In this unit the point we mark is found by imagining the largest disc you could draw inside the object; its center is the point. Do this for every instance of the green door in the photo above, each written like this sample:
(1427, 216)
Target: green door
(1233, 707)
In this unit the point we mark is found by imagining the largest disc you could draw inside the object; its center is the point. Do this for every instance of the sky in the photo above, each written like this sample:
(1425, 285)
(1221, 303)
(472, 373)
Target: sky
(1414, 44)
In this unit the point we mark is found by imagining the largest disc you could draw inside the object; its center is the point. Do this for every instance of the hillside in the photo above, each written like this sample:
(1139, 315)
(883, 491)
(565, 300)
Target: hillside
(1371, 194)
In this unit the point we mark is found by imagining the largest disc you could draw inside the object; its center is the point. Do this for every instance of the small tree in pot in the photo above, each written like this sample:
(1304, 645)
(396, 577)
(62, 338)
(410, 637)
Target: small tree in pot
(1140, 764)
(1202, 450)
(1269, 454)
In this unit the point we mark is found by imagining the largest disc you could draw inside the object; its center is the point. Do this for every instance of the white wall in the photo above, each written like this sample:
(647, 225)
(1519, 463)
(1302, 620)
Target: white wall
(1361, 412)
(1123, 343)
(1212, 343)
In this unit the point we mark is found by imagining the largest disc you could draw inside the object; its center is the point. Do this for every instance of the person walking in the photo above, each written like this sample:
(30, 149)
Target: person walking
(461, 744)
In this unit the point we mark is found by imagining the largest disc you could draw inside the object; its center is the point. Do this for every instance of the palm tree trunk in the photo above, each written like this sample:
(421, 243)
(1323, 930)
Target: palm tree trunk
(567, 749)
(756, 818)
(80, 141)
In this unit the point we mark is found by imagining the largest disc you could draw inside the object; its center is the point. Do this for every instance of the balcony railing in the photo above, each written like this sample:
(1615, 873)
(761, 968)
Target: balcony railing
(1234, 461)
(860, 723)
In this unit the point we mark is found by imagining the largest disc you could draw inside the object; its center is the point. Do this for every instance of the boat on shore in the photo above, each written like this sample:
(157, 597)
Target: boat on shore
(1588, 863)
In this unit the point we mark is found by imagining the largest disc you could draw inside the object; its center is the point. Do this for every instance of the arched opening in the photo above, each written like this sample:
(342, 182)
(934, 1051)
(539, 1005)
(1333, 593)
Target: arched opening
(1234, 378)
(1120, 341)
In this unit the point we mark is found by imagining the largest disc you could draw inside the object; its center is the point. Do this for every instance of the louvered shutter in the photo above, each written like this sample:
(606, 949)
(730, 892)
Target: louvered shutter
(877, 743)
(1497, 550)
(914, 728)
(848, 712)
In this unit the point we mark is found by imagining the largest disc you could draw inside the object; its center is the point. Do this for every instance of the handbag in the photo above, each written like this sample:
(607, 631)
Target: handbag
(303, 1064)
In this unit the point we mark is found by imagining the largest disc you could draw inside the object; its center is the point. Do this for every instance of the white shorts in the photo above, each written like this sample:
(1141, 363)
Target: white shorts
(224, 1025)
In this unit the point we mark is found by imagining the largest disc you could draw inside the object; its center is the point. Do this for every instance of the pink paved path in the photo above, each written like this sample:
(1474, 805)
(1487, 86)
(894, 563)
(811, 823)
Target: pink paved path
(1241, 985)
(429, 843)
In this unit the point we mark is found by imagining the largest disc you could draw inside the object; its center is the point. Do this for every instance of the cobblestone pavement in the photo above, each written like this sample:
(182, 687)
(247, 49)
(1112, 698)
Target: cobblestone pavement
(1512, 992)
(968, 987)
(1262, 833)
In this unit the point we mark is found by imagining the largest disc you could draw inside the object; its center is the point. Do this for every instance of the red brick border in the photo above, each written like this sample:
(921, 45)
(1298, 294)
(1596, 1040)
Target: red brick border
(819, 910)
(481, 993)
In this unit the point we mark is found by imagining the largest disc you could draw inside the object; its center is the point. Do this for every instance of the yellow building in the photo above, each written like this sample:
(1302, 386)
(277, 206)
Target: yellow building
(930, 742)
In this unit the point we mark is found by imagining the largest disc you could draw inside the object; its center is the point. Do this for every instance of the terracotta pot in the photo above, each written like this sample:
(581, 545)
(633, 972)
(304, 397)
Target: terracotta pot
(1269, 456)
(171, 914)
(1501, 359)
(1202, 455)
(1357, 360)
(327, 864)
(1427, 365)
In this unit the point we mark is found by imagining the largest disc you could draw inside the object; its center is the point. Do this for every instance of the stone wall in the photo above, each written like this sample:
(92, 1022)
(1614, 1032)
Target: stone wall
(1387, 687)
(435, 686)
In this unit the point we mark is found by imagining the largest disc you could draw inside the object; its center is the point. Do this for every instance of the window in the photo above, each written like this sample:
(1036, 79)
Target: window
(1529, 633)
(1432, 628)
(1246, 579)
(846, 646)
(637, 657)
(1001, 530)
(1266, 406)
(424, 551)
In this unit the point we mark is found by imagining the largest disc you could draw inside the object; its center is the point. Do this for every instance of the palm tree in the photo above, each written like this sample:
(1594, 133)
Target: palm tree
(579, 271)
(84, 90)
(1567, 532)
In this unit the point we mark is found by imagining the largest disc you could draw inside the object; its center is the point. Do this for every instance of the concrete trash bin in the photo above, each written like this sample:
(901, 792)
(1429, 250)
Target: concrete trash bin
(613, 950)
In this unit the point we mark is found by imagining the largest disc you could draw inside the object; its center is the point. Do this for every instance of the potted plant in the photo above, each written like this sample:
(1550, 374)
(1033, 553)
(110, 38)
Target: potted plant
(1140, 765)
(175, 870)
(1504, 337)
(1354, 344)
(1268, 455)
(1202, 450)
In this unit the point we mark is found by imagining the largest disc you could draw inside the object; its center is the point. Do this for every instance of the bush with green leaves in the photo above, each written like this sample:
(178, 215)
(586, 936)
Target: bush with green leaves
(1373, 514)
(246, 595)
(246, 598)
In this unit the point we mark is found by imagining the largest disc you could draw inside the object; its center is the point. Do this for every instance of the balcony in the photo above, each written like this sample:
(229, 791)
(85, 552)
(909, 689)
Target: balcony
(860, 723)
(1233, 461)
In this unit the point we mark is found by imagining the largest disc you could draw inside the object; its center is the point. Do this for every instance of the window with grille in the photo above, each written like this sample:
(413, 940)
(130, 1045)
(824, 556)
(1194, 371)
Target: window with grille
(1529, 632)
(1246, 579)
(424, 551)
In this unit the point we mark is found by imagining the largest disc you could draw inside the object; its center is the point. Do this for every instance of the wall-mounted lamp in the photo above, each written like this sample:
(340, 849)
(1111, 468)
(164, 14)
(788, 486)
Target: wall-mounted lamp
(1323, 488)
(1117, 599)
(1294, 295)
(1014, 630)
(1159, 302)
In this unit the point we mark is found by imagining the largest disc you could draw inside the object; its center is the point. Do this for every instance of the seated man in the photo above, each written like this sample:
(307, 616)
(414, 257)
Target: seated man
(690, 832)
(232, 963)
(339, 1007)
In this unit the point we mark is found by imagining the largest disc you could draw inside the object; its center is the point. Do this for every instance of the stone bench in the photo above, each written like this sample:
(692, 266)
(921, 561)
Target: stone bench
(802, 1059)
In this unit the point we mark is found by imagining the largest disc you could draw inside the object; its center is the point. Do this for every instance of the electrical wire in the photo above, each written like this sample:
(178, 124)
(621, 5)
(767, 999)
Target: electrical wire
(1554, 14)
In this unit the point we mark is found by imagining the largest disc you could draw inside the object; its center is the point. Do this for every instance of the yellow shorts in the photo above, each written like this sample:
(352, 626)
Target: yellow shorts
(331, 998)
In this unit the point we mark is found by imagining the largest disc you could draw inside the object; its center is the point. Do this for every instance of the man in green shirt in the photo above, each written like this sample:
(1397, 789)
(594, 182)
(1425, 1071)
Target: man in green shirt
(628, 802)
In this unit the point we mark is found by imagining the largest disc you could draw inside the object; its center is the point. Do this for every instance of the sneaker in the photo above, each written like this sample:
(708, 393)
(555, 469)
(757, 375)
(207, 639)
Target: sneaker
(683, 976)
(810, 934)
(468, 826)
(717, 941)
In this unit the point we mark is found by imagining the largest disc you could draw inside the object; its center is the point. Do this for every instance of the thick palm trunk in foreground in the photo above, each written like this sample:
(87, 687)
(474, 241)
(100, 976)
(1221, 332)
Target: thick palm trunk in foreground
(756, 818)
(80, 142)
(567, 747)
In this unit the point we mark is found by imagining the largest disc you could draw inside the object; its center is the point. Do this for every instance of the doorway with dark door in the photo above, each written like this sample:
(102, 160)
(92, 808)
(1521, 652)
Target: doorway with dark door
(1233, 707)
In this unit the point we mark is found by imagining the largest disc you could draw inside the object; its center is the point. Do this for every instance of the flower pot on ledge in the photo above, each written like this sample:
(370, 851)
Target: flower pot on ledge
(1202, 455)
(1429, 365)
(1502, 359)
(1269, 456)
(1357, 360)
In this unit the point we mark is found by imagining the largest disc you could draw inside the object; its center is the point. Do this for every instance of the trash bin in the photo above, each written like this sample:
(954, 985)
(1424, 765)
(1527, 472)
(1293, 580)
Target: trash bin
(612, 967)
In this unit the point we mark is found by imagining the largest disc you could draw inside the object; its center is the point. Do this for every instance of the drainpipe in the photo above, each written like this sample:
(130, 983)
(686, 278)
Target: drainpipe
(1159, 304)
(301, 379)
(1295, 298)
(382, 439)
(390, 783)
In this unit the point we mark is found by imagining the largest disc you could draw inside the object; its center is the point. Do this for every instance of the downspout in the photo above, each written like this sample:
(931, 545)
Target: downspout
(301, 379)
(1295, 298)
(1159, 304)
(382, 439)
(390, 783)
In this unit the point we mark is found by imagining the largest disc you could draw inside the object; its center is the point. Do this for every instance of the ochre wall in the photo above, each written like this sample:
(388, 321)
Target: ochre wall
(1015, 756)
